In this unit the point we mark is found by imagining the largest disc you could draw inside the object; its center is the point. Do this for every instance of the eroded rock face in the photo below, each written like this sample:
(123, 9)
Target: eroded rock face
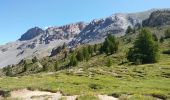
(63, 32)
(158, 18)
(97, 30)
(38, 42)
(31, 33)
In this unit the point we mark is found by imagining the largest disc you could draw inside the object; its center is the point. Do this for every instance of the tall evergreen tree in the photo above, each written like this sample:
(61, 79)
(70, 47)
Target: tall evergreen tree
(161, 40)
(8, 71)
(109, 62)
(167, 33)
(90, 50)
(145, 49)
(95, 48)
(129, 30)
(73, 60)
(65, 54)
(64, 46)
(79, 55)
(56, 66)
(35, 59)
(110, 45)
(45, 67)
(155, 38)
(86, 53)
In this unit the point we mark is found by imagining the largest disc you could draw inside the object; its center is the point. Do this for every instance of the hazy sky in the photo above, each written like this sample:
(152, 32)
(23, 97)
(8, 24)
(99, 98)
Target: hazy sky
(16, 16)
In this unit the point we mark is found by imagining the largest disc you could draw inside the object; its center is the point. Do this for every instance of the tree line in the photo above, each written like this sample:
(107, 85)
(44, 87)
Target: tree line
(145, 49)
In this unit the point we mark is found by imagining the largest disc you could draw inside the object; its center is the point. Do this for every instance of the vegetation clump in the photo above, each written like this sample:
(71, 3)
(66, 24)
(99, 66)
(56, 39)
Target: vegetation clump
(145, 49)
(110, 45)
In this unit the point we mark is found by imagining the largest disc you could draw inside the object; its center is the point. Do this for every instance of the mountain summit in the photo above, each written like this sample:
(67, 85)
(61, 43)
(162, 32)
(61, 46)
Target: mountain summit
(31, 33)
(40, 43)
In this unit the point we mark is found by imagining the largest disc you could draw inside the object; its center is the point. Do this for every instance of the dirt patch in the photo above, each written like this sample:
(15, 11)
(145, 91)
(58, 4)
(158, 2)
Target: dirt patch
(106, 97)
(1, 97)
(25, 94)
(38, 95)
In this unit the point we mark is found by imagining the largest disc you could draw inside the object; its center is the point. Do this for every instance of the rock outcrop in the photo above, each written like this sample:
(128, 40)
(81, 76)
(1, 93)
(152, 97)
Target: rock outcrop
(40, 43)
(158, 18)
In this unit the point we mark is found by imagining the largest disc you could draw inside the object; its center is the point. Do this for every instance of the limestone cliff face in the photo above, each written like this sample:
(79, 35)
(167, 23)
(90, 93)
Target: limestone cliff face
(158, 18)
(40, 43)
(97, 30)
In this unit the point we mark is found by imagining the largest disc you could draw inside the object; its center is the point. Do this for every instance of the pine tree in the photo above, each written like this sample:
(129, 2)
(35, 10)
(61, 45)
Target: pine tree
(95, 48)
(155, 38)
(110, 45)
(56, 66)
(145, 49)
(25, 68)
(79, 55)
(65, 54)
(167, 33)
(8, 71)
(161, 39)
(109, 62)
(90, 50)
(73, 60)
(129, 30)
(64, 46)
(45, 67)
(86, 55)
(35, 59)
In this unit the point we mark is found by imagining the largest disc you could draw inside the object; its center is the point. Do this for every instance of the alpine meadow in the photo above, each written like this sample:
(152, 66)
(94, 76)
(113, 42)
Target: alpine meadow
(125, 56)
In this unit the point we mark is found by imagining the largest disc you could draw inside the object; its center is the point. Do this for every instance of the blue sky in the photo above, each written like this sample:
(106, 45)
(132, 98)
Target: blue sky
(17, 16)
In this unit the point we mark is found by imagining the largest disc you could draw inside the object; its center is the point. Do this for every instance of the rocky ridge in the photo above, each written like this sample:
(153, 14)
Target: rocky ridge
(40, 43)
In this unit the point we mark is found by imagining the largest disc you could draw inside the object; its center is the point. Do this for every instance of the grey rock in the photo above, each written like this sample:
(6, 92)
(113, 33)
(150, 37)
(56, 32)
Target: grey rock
(158, 18)
(31, 33)
(38, 42)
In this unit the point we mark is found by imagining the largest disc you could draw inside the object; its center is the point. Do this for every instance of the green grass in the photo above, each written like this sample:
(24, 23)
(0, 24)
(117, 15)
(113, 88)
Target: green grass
(72, 84)
(87, 97)
(144, 82)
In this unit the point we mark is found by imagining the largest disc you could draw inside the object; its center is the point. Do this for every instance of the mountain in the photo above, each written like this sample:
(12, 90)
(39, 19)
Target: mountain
(96, 30)
(158, 18)
(40, 43)
(116, 24)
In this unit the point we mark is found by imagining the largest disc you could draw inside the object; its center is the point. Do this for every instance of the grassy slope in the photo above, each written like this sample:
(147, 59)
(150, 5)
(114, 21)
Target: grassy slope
(93, 77)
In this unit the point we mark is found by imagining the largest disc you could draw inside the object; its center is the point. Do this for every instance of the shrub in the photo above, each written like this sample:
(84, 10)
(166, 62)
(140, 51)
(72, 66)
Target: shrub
(94, 86)
(79, 55)
(56, 67)
(167, 33)
(129, 30)
(161, 40)
(73, 60)
(86, 55)
(109, 63)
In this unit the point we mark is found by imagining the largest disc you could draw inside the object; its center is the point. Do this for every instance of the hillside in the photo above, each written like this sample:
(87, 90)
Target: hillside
(94, 68)
(121, 79)
(38, 42)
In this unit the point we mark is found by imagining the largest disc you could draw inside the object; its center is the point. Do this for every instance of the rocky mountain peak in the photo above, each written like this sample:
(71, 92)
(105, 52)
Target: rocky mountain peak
(40, 43)
(158, 18)
(98, 29)
(31, 33)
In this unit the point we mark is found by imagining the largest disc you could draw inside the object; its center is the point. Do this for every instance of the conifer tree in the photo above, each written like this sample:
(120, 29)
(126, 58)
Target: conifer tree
(145, 49)
(90, 50)
(73, 60)
(56, 66)
(79, 55)
(85, 53)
